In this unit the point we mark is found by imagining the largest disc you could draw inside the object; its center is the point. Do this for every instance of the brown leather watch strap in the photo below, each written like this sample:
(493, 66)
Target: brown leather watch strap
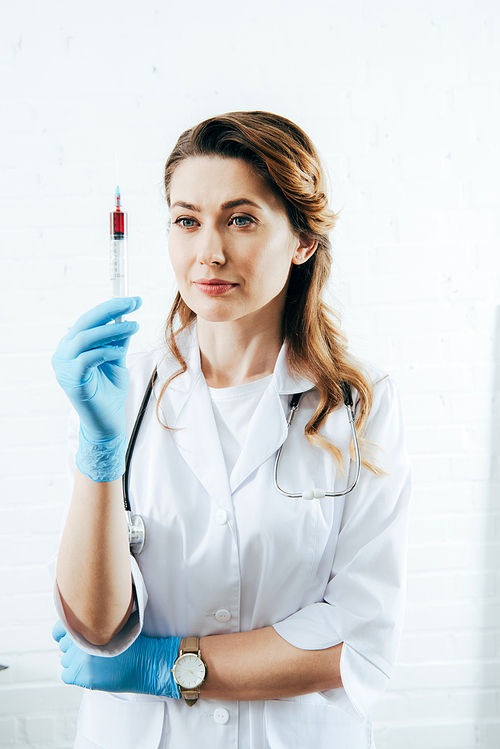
(190, 698)
(190, 645)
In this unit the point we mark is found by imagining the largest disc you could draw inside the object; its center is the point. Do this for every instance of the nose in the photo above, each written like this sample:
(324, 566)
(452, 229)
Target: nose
(211, 247)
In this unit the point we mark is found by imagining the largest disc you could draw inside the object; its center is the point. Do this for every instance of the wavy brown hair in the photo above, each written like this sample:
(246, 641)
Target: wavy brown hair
(284, 156)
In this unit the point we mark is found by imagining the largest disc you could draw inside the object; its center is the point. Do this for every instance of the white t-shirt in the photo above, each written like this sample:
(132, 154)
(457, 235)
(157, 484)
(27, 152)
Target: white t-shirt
(233, 410)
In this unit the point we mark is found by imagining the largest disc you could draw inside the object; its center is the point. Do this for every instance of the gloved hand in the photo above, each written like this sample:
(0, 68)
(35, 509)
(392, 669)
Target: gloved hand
(90, 367)
(145, 668)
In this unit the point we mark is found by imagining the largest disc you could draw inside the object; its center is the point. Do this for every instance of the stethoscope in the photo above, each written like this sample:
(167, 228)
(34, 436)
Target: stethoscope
(320, 493)
(135, 523)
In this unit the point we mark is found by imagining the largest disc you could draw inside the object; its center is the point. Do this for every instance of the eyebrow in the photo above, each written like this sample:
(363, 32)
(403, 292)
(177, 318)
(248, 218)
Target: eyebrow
(224, 206)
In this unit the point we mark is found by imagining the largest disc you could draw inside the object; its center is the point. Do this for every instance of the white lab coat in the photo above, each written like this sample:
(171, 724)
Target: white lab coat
(321, 571)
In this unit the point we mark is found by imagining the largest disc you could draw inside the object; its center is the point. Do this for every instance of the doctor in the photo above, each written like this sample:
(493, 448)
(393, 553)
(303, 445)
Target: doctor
(292, 609)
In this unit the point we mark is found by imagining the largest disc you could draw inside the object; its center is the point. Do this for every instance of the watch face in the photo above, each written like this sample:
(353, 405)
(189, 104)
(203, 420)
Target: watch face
(189, 671)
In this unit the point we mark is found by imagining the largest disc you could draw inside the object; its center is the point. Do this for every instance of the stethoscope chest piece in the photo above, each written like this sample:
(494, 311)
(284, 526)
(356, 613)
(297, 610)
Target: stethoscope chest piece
(136, 532)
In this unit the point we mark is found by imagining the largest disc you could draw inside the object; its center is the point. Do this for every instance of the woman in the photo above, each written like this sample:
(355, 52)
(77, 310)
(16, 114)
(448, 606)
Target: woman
(297, 603)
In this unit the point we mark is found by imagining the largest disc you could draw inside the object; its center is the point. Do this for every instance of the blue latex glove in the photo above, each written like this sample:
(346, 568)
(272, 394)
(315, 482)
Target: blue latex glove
(144, 668)
(89, 364)
(90, 367)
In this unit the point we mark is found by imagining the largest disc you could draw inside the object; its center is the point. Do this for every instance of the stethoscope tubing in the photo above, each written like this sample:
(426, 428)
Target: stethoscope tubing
(320, 493)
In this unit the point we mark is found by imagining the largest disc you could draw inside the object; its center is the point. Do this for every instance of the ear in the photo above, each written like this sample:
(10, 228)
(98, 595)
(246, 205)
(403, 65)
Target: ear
(304, 249)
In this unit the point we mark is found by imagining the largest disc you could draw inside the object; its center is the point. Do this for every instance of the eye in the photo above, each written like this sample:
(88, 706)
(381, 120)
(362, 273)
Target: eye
(185, 223)
(241, 220)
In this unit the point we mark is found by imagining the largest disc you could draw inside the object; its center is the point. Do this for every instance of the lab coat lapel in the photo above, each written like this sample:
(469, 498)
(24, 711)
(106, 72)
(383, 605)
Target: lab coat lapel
(197, 439)
(187, 409)
(266, 432)
(267, 429)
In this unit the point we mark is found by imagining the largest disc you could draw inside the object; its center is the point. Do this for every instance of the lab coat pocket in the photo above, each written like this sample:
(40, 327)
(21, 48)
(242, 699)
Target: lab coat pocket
(306, 725)
(115, 723)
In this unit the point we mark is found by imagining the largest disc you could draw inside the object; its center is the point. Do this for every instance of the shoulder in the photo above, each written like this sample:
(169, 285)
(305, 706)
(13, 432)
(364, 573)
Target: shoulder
(385, 422)
(142, 363)
(382, 383)
(140, 366)
(374, 375)
(386, 402)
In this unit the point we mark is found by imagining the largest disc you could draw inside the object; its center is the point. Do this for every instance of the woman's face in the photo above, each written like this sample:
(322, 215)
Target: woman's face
(231, 244)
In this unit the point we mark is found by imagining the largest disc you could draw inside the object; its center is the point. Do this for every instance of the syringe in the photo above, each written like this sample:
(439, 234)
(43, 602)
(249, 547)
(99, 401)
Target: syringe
(118, 250)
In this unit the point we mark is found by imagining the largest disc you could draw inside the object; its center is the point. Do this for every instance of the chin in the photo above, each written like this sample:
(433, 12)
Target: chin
(215, 312)
(216, 317)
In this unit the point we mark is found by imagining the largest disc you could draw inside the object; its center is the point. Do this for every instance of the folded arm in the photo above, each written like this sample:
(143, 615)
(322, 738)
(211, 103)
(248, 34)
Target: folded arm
(261, 665)
(255, 665)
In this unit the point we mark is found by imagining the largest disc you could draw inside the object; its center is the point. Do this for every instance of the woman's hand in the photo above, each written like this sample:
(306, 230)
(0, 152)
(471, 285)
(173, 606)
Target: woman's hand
(144, 668)
(89, 364)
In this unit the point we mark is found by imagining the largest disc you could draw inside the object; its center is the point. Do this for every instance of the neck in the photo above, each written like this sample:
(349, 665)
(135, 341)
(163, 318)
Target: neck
(236, 352)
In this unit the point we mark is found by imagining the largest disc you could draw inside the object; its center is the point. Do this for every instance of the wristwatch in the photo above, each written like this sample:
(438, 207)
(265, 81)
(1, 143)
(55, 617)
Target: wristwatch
(189, 671)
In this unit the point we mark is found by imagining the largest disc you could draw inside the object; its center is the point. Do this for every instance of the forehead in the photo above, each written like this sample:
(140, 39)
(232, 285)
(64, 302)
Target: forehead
(210, 181)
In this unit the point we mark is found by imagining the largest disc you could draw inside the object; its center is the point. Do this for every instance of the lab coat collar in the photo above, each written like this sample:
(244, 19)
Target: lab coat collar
(284, 381)
(186, 403)
(187, 410)
(187, 342)
(268, 429)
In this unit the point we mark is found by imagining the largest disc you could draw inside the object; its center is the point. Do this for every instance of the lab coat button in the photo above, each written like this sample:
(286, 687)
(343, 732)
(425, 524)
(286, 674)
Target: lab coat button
(223, 615)
(221, 716)
(221, 517)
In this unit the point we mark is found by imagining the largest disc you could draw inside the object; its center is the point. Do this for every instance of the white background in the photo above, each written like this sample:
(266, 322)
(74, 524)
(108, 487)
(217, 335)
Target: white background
(402, 101)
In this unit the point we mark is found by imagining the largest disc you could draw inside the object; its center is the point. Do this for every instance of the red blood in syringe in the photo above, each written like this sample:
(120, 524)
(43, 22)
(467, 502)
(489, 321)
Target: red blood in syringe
(118, 219)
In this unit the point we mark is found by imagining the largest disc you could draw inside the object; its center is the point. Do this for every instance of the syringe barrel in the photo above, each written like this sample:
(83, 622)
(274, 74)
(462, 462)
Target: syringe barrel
(118, 266)
(118, 222)
(118, 255)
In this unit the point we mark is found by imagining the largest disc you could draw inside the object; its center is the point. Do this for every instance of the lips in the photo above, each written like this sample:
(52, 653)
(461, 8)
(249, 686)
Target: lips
(214, 286)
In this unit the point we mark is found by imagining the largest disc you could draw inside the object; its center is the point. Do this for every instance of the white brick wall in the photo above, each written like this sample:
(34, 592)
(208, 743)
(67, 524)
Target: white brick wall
(402, 101)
